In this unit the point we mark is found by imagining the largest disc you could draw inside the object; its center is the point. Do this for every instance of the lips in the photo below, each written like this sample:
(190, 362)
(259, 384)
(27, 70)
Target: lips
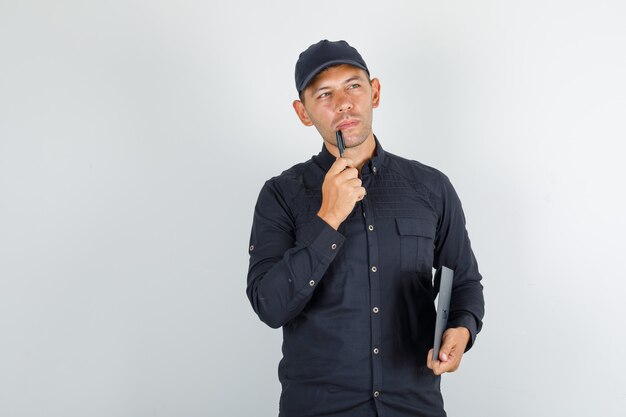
(347, 124)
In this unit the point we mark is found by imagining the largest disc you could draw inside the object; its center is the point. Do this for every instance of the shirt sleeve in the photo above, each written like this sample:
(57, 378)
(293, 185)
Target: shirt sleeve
(283, 271)
(453, 249)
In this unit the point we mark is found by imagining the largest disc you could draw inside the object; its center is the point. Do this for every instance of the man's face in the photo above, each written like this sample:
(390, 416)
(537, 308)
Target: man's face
(340, 98)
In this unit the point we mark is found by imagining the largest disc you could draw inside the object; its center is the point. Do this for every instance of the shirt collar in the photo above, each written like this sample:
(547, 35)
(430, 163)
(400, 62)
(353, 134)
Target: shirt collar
(325, 159)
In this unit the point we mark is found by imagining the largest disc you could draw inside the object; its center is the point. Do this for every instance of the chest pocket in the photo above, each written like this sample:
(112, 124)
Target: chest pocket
(417, 240)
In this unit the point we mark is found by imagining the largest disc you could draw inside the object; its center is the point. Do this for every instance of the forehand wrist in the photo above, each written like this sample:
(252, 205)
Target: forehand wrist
(329, 219)
(464, 331)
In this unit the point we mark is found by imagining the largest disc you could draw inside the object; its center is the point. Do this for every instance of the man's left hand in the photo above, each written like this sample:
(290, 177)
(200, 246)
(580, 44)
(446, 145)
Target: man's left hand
(453, 345)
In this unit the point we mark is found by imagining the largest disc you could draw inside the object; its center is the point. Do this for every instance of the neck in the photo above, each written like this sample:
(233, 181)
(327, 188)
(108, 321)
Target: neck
(359, 154)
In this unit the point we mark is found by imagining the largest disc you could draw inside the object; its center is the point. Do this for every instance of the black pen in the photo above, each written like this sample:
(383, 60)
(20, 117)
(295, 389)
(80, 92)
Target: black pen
(340, 145)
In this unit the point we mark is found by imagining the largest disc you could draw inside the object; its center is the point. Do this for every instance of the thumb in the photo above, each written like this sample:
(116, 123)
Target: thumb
(444, 352)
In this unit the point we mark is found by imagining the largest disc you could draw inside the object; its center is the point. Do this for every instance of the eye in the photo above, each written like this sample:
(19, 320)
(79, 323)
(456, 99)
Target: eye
(355, 85)
(323, 95)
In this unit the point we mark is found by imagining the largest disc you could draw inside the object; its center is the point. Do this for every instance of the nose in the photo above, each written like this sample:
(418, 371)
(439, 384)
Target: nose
(343, 103)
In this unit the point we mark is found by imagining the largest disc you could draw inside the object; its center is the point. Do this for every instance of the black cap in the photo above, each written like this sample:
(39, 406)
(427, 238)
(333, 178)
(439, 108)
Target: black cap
(322, 55)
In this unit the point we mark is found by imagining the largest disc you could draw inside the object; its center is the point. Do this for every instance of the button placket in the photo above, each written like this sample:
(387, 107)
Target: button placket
(375, 294)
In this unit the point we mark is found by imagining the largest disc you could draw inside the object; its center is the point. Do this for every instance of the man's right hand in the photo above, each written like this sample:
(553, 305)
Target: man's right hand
(340, 192)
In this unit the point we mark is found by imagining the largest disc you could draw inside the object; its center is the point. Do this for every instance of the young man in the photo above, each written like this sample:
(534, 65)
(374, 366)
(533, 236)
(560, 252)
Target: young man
(341, 256)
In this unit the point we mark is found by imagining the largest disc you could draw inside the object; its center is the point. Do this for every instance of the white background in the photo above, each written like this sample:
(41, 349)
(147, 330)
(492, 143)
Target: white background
(135, 137)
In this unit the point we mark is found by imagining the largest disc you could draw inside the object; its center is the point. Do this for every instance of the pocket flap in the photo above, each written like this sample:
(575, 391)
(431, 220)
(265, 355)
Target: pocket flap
(415, 227)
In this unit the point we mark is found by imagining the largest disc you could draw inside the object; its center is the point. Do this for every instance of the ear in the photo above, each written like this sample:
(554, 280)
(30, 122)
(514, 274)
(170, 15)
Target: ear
(375, 92)
(298, 106)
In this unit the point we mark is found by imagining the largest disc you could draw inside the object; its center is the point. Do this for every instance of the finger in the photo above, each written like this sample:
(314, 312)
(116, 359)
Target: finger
(448, 352)
(348, 173)
(429, 359)
(449, 356)
(354, 182)
(339, 165)
(447, 346)
(438, 367)
(450, 366)
(434, 365)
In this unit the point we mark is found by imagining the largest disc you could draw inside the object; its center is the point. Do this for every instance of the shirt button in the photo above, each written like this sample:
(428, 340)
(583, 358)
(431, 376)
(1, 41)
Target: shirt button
(333, 246)
(376, 394)
(251, 248)
(312, 283)
(375, 310)
(374, 269)
(370, 228)
(376, 351)
(374, 169)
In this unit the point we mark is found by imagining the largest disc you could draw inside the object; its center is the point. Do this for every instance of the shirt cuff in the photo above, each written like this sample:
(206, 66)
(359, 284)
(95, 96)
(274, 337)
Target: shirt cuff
(326, 240)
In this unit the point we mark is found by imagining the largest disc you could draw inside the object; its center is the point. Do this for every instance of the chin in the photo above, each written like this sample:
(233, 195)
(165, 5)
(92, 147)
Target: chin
(355, 140)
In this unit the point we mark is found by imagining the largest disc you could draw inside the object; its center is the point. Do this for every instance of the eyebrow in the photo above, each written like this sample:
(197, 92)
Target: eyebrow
(354, 78)
(349, 80)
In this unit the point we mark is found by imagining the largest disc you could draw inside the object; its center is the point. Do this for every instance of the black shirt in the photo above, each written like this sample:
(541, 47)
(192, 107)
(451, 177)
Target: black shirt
(357, 305)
